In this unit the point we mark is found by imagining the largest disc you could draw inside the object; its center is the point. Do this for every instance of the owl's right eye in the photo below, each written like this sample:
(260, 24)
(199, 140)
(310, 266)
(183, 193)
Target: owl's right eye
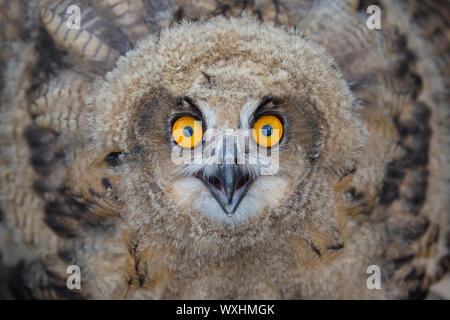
(187, 132)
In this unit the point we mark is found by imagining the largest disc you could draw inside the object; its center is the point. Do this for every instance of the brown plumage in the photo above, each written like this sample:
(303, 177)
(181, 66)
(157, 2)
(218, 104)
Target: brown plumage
(86, 175)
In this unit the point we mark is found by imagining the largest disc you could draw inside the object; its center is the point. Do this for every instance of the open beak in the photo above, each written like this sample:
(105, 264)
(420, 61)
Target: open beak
(228, 186)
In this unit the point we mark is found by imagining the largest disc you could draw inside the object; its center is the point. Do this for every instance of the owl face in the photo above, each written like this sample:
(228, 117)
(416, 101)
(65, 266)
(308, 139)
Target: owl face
(228, 142)
(226, 125)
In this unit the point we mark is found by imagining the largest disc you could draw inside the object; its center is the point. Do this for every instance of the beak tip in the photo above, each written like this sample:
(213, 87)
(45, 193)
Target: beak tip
(226, 190)
(229, 209)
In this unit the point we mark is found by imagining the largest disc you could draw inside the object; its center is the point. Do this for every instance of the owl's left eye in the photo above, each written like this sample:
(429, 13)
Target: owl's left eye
(187, 132)
(268, 131)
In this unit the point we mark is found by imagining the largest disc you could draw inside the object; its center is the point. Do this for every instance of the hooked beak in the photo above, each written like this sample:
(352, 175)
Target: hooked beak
(228, 186)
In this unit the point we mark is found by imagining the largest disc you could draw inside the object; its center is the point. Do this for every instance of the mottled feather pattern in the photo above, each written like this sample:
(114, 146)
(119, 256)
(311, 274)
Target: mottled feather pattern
(85, 170)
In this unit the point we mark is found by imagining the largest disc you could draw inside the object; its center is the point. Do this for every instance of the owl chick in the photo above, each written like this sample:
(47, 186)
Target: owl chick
(224, 149)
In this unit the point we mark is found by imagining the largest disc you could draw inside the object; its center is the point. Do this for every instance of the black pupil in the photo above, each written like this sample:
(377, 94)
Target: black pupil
(188, 131)
(267, 130)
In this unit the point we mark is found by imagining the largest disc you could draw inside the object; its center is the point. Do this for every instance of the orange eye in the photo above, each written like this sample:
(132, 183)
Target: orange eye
(187, 132)
(267, 131)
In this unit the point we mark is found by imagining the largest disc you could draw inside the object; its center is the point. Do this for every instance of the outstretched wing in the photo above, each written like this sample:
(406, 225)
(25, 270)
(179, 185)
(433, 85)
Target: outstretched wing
(399, 74)
(47, 64)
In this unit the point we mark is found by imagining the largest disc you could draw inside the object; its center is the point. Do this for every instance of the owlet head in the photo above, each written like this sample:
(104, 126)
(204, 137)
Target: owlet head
(226, 121)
